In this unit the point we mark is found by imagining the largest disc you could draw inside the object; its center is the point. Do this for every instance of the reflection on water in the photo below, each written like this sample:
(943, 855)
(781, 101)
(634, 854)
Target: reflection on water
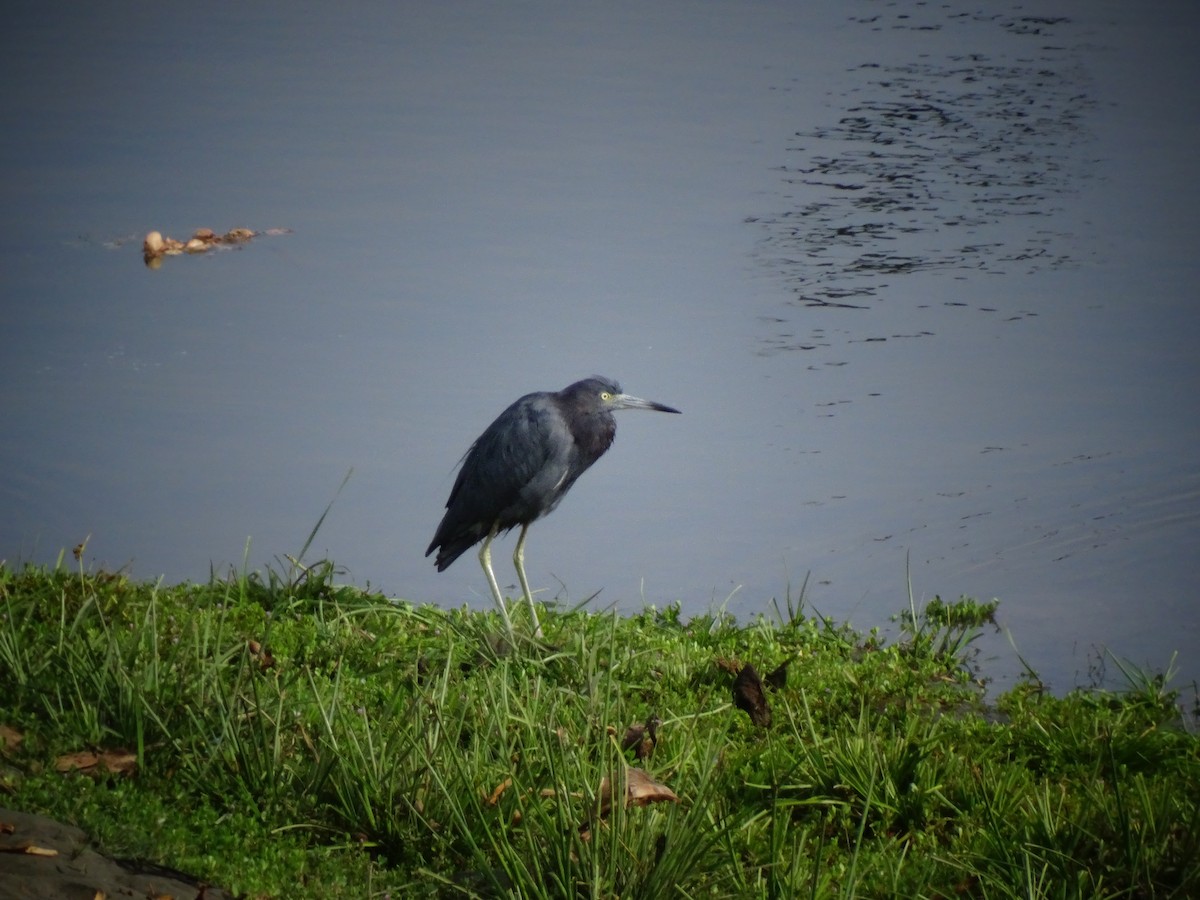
(927, 156)
(955, 156)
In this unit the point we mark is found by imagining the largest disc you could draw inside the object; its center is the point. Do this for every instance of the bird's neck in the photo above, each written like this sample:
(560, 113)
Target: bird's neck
(593, 438)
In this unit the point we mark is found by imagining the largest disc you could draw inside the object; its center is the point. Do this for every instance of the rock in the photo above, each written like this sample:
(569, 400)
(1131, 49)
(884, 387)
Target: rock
(41, 859)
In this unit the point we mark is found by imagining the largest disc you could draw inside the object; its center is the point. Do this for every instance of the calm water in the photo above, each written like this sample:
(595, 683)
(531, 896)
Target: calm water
(923, 282)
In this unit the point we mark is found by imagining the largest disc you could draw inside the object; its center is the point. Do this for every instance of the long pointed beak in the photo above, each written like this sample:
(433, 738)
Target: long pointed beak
(625, 401)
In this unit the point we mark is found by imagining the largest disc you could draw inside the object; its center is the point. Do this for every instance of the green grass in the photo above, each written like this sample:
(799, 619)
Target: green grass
(367, 748)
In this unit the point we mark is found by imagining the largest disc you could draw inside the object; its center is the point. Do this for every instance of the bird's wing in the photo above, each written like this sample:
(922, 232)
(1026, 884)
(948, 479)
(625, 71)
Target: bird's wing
(510, 463)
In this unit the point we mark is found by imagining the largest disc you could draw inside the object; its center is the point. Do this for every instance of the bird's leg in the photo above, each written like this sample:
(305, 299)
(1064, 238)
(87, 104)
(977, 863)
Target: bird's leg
(519, 563)
(485, 560)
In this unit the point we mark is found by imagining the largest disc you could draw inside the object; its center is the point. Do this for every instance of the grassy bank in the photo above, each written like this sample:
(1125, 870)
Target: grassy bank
(282, 737)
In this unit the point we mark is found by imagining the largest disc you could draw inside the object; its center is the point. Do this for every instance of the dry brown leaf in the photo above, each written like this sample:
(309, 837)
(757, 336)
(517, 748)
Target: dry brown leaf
(748, 695)
(119, 762)
(263, 655)
(114, 762)
(495, 796)
(83, 760)
(641, 789)
(28, 848)
(777, 677)
(732, 666)
(641, 739)
(10, 738)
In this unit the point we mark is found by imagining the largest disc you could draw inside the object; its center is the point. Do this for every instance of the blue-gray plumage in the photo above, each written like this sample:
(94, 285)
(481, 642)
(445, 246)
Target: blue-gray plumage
(521, 467)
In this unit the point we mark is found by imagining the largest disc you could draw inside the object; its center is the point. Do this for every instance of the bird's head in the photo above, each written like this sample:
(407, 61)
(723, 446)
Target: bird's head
(599, 394)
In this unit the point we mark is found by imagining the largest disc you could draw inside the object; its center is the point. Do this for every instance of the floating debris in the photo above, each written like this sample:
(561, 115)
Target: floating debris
(155, 246)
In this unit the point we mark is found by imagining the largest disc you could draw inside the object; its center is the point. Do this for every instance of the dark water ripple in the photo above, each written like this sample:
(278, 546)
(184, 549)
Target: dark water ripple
(930, 159)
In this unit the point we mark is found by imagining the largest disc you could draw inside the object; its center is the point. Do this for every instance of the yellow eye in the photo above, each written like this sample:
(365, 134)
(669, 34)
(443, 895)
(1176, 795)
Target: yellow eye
(605, 396)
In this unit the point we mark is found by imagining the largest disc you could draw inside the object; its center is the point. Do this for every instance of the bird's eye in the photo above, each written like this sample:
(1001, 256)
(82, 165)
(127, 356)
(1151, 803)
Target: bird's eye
(605, 396)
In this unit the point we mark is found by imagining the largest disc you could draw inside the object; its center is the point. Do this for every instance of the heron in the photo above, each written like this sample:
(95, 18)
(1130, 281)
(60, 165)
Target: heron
(522, 466)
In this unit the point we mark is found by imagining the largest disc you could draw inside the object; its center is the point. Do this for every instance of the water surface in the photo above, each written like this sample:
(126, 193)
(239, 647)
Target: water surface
(923, 283)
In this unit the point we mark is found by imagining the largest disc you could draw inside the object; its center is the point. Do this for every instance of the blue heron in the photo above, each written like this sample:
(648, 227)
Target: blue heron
(521, 467)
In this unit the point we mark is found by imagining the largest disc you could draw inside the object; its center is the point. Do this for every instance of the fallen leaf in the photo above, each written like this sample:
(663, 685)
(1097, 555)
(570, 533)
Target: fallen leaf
(114, 762)
(82, 760)
(263, 655)
(642, 739)
(28, 848)
(748, 695)
(10, 738)
(640, 790)
(777, 678)
(495, 796)
(119, 762)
